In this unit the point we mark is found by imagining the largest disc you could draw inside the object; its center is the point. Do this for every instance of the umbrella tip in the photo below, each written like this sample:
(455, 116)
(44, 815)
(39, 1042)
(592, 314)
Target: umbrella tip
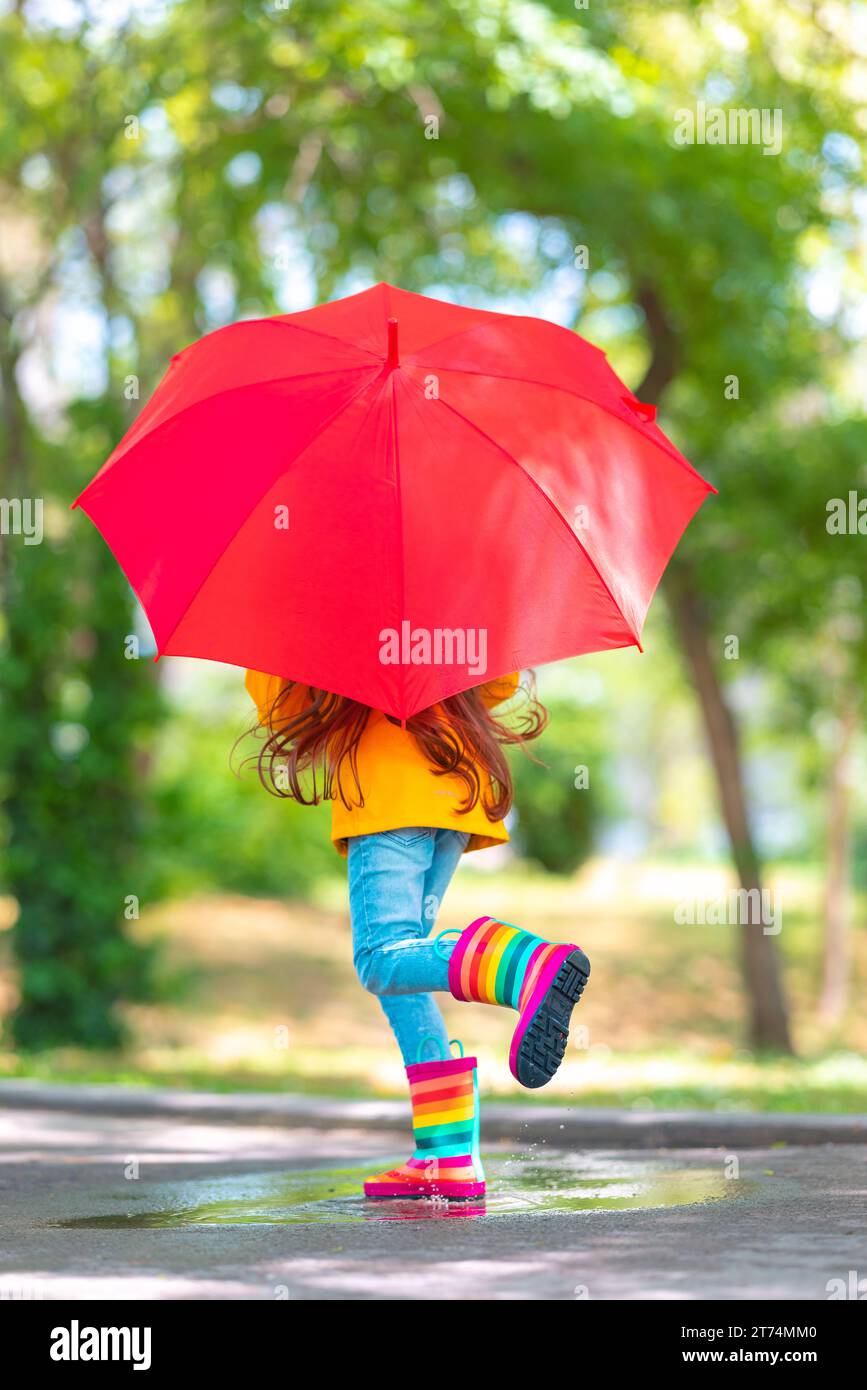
(393, 359)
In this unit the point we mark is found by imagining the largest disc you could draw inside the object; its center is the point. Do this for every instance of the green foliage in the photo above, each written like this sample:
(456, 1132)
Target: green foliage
(283, 155)
(562, 795)
(213, 829)
(72, 709)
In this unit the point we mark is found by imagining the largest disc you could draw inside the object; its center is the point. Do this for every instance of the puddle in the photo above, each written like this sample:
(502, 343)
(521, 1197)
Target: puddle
(333, 1196)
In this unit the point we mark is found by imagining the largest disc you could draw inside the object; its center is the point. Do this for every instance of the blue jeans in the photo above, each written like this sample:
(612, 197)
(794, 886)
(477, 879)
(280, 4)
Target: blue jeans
(397, 879)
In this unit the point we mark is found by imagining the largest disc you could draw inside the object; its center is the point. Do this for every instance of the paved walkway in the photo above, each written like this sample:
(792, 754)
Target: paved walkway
(555, 1123)
(101, 1199)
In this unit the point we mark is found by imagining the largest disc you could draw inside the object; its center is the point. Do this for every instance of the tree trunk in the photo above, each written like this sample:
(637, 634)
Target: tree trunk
(836, 962)
(768, 1016)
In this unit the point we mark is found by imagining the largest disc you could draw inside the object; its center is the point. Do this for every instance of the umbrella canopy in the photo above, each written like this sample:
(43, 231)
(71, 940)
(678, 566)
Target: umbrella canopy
(393, 498)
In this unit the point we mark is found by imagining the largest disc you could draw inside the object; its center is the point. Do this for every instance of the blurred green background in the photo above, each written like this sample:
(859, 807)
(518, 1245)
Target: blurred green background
(166, 168)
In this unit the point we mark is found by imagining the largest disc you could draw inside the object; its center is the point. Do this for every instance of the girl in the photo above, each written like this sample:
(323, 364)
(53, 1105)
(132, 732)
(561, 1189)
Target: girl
(406, 803)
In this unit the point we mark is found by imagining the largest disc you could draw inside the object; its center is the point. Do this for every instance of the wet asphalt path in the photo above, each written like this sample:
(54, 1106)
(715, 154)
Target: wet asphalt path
(155, 1207)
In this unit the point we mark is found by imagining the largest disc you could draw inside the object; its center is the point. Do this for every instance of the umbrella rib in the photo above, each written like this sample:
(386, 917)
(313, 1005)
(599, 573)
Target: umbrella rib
(513, 318)
(663, 443)
(205, 400)
(543, 494)
(279, 322)
(471, 327)
(395, 444)
(210, 570)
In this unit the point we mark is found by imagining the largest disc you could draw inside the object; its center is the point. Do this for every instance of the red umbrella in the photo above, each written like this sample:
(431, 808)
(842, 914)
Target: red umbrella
(393, 498)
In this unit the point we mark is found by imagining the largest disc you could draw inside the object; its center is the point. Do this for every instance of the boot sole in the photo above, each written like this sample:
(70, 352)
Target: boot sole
(543, 1045)
(452, 1191)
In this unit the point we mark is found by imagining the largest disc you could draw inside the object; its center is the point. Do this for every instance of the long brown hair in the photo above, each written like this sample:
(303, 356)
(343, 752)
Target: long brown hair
(311, 754)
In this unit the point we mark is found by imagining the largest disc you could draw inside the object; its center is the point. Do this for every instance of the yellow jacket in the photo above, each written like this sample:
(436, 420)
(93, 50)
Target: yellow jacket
(400, 786)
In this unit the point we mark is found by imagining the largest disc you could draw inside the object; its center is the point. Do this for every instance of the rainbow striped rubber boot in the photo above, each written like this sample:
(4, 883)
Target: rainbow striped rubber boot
(445, 1124)
(496, 962)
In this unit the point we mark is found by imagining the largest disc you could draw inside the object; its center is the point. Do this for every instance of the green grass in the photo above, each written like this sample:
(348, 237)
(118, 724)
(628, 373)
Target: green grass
(274, 1003)
(833, 1083)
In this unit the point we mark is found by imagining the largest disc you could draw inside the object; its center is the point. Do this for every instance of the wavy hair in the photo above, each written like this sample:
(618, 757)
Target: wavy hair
(310, 754)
